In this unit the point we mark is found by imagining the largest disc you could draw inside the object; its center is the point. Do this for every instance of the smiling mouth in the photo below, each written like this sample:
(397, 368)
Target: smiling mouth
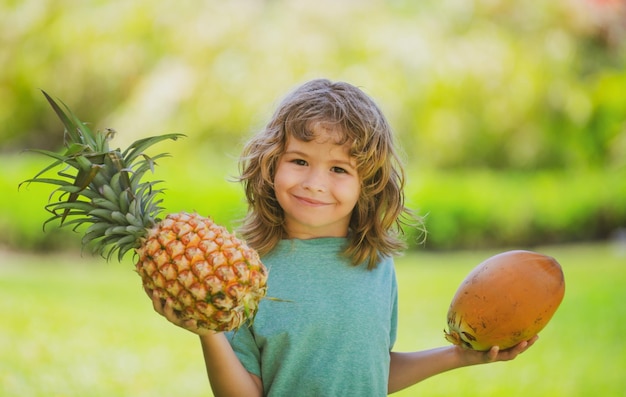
(310, 202)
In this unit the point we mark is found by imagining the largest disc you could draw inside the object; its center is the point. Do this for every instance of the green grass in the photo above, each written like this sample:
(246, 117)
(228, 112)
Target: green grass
(580, 352)
(75, 326)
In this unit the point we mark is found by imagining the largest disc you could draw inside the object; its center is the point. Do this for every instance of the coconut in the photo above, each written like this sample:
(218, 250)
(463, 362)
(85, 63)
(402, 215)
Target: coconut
(505, 300)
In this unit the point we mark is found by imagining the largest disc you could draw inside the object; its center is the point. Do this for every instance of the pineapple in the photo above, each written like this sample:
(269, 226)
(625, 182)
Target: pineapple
(210, 276)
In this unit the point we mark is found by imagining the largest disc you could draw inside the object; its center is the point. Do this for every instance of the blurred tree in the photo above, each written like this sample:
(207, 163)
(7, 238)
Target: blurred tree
(496, 84)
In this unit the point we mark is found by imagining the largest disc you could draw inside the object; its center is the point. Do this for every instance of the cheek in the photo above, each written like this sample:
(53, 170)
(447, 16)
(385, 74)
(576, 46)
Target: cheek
(349, 192)
(281, 181)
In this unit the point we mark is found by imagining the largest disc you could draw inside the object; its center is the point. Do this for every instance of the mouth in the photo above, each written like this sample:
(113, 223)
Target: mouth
(309, 201)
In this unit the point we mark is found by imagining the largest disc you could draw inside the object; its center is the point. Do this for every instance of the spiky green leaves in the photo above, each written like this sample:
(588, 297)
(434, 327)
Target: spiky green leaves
(102, 187)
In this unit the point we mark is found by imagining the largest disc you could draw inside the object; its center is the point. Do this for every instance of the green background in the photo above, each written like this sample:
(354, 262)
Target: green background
(511, 116)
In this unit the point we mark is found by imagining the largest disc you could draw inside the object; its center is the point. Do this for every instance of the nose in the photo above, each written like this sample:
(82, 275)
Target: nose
(314, 181)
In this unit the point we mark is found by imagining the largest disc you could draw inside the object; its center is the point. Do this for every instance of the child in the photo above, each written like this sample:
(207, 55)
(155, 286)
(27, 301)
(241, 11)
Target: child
(325, 191)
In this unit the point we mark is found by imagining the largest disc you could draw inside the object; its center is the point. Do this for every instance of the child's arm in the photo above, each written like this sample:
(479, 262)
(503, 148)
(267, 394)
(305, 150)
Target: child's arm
(226, 374)
(406, 369)
(228, 377)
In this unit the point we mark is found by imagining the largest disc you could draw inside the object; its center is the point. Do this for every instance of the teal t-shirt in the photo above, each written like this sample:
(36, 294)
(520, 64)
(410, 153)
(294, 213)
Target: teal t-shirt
(332, 333)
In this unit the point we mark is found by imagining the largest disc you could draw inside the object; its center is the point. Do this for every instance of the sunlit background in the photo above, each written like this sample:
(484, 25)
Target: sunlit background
(511, 116)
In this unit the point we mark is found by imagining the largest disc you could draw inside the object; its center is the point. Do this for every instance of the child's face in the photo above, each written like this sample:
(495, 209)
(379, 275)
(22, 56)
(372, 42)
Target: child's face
(317, 185)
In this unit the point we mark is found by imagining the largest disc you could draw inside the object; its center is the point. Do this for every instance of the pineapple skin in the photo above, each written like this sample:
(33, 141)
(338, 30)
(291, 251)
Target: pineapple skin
(209, 275)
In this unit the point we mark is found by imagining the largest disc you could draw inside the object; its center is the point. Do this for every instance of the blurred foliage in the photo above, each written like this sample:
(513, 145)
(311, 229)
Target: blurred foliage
(504, 108)
(483, 83)
(491, 209)
(470, 209)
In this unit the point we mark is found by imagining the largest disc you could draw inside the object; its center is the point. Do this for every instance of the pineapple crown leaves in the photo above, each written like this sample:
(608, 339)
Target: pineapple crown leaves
(102, 187)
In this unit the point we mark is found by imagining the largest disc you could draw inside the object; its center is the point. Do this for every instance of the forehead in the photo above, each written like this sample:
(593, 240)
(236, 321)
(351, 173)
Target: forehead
(325, 132)
(321, 140)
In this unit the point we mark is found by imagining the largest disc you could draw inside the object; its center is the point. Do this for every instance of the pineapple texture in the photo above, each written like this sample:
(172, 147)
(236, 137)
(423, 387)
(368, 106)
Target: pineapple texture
(209, 275)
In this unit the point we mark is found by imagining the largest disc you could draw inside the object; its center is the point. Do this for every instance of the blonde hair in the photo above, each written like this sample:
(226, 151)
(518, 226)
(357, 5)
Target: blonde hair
(379, 214)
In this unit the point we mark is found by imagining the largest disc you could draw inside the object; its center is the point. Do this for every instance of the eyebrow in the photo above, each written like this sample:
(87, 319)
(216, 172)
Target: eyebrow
(302, 154)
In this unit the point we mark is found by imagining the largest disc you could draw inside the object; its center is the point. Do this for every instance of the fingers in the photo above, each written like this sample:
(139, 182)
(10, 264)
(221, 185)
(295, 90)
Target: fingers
(156, 301)
(154, 297)
(492, 354)
(516, 350)
(165, 307)
(168, 310)
(148, 291)
(524, 345)
(532, 341)
(162, 306)
(471, 357)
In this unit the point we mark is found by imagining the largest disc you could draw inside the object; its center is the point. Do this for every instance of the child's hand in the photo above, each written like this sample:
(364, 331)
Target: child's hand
(471, 357)
(164, 308)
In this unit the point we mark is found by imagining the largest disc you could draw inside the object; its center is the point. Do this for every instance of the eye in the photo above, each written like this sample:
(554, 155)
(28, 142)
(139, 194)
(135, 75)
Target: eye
(339, 170)
(299, 162)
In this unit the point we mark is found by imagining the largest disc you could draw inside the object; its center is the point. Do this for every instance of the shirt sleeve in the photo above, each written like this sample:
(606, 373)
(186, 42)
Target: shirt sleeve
(393, 329)
(243, 343)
